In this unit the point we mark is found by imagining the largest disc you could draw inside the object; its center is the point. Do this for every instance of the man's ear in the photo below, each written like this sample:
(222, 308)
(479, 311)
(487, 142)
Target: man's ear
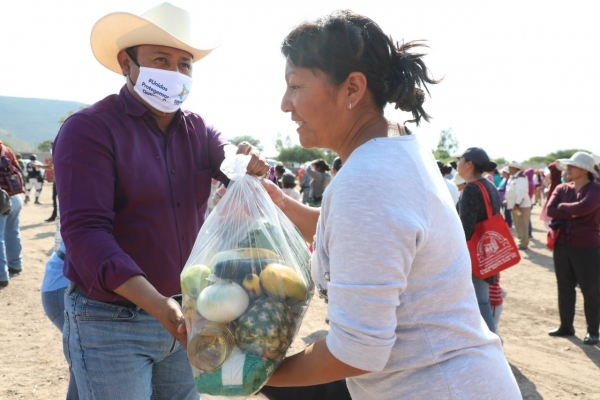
(124, 62)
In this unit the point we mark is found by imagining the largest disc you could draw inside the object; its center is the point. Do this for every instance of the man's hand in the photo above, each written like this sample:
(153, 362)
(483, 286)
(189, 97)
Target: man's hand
(169, 314)
(165, 309)
(258, 163)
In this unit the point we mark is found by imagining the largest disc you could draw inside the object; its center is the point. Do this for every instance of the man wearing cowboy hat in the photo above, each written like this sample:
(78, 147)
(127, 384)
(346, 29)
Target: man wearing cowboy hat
(519, 202)
(133, 178)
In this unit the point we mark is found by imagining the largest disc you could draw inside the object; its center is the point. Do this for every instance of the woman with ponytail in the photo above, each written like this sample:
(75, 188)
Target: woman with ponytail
(389, 251)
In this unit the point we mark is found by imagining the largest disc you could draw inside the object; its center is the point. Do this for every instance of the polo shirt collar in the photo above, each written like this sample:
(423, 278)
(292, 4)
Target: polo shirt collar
(134, 107)
(131, 104)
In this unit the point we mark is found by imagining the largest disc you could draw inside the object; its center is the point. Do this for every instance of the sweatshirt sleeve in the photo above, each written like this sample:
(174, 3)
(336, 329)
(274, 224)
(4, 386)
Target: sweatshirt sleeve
(552, 210)
(371, 251)
(587, 205)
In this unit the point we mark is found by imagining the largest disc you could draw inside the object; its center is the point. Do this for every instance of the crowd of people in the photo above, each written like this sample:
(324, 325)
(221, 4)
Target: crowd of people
(407, 317)
(569, 192)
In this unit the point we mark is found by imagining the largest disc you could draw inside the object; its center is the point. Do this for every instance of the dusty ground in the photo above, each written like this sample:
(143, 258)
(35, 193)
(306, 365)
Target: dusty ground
(32, 365)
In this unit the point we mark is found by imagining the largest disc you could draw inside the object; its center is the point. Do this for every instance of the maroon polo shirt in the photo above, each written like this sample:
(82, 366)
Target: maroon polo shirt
(583, 229)
(132, 199)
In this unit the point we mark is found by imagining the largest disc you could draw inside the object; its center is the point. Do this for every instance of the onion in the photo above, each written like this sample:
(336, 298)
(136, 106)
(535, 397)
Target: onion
(223, 302)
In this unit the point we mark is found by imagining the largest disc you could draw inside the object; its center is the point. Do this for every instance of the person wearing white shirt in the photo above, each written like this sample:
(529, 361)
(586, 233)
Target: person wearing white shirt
(519, 202)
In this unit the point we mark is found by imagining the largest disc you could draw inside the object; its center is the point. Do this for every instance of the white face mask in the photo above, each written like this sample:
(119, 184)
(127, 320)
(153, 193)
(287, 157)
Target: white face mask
(163, 90)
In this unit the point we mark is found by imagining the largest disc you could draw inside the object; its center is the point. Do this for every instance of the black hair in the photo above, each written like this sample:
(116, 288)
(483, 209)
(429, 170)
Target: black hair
(132, 52)
(321, 165)
(478, 169)
(337, 164)
(454, 164)
(280, 169)
(446, 169)
(344, 42)
(289, 185)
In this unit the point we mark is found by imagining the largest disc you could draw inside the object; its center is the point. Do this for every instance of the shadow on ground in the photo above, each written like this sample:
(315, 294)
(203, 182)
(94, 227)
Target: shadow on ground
(528, 389)
(593, 352)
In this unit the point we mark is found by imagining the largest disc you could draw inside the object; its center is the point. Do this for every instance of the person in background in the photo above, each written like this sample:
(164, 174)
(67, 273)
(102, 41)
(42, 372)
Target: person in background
(539, 182)
(11, 260)
(21, 166)
(472, 210)
(553, 179)
(403, 318)
(445, 170)
(337, 165)
(53, 289)
(530, 174)
(280, 170)
(288, 185)
(454, 171)
(459, 182)
(305, 185)
(519, 202)
(35, 178)
(502, 191)
(321, 177)
(496, 177)
(496, 301)
(575, 211)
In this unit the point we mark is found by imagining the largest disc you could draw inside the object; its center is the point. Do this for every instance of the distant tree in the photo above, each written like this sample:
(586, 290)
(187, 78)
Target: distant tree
(247, 138)
(448, 144)
(299, 154)
(443, 156)
(500, 161)
(69, 113)
(282, 143)
(551, 157)
(45, 146)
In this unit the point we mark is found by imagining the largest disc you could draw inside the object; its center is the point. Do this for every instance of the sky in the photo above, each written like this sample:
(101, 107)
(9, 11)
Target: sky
(521, 77)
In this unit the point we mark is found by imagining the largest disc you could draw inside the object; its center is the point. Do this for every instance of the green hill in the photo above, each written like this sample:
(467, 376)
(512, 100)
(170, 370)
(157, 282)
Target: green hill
(26, 122)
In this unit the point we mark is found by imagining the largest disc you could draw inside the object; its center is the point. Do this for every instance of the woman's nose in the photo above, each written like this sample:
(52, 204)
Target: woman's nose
(286, 104)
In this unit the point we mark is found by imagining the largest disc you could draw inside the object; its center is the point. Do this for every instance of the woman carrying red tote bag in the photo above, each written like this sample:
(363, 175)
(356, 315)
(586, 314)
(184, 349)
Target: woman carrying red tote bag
(492, 247)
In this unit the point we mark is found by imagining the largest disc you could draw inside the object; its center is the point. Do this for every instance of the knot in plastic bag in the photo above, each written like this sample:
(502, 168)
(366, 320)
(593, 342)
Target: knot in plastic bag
(234, 165)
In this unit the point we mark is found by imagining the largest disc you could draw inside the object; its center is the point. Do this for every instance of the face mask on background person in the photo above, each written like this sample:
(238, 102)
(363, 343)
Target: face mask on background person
(163, 90)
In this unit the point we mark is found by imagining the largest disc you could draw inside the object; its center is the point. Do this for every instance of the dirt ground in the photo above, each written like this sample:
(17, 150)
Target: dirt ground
(32, 365)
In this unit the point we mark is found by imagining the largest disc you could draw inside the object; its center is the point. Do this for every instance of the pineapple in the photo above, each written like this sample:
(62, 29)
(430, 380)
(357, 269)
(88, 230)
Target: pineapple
(266, 329)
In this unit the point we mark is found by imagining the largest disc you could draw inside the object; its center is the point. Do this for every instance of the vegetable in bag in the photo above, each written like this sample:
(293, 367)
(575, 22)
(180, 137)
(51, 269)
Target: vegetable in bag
(246, 288)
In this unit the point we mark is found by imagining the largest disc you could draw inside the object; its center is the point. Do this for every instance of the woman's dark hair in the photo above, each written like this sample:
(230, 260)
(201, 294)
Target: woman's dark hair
(289, 185)
(321, 165)
(446, 169)
(591, 176)
(344, 42)
(478, 169)
(280, 169)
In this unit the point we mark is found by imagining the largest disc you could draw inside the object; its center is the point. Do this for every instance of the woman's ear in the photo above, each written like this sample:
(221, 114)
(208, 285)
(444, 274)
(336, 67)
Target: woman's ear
(355, 89)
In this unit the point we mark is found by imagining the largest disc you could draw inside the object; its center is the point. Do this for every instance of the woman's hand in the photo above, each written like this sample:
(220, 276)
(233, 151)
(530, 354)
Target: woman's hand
(275, 193)
(258, 163)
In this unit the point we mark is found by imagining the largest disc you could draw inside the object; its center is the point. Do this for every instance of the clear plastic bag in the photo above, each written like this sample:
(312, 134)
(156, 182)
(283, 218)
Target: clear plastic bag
(246, 288)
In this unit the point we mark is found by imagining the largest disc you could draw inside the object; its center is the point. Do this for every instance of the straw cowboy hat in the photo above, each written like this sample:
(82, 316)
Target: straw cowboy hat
(515, 164)
(580, 160)
(164, 25)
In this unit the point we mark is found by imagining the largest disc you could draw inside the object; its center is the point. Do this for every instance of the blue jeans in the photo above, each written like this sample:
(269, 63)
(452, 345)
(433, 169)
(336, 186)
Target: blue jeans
(482, 291)
(123, 353)
(54, 306)
(10, 239)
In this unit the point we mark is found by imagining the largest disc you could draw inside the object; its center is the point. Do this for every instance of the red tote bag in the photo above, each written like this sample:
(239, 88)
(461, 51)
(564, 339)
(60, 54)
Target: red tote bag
(492, 247)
